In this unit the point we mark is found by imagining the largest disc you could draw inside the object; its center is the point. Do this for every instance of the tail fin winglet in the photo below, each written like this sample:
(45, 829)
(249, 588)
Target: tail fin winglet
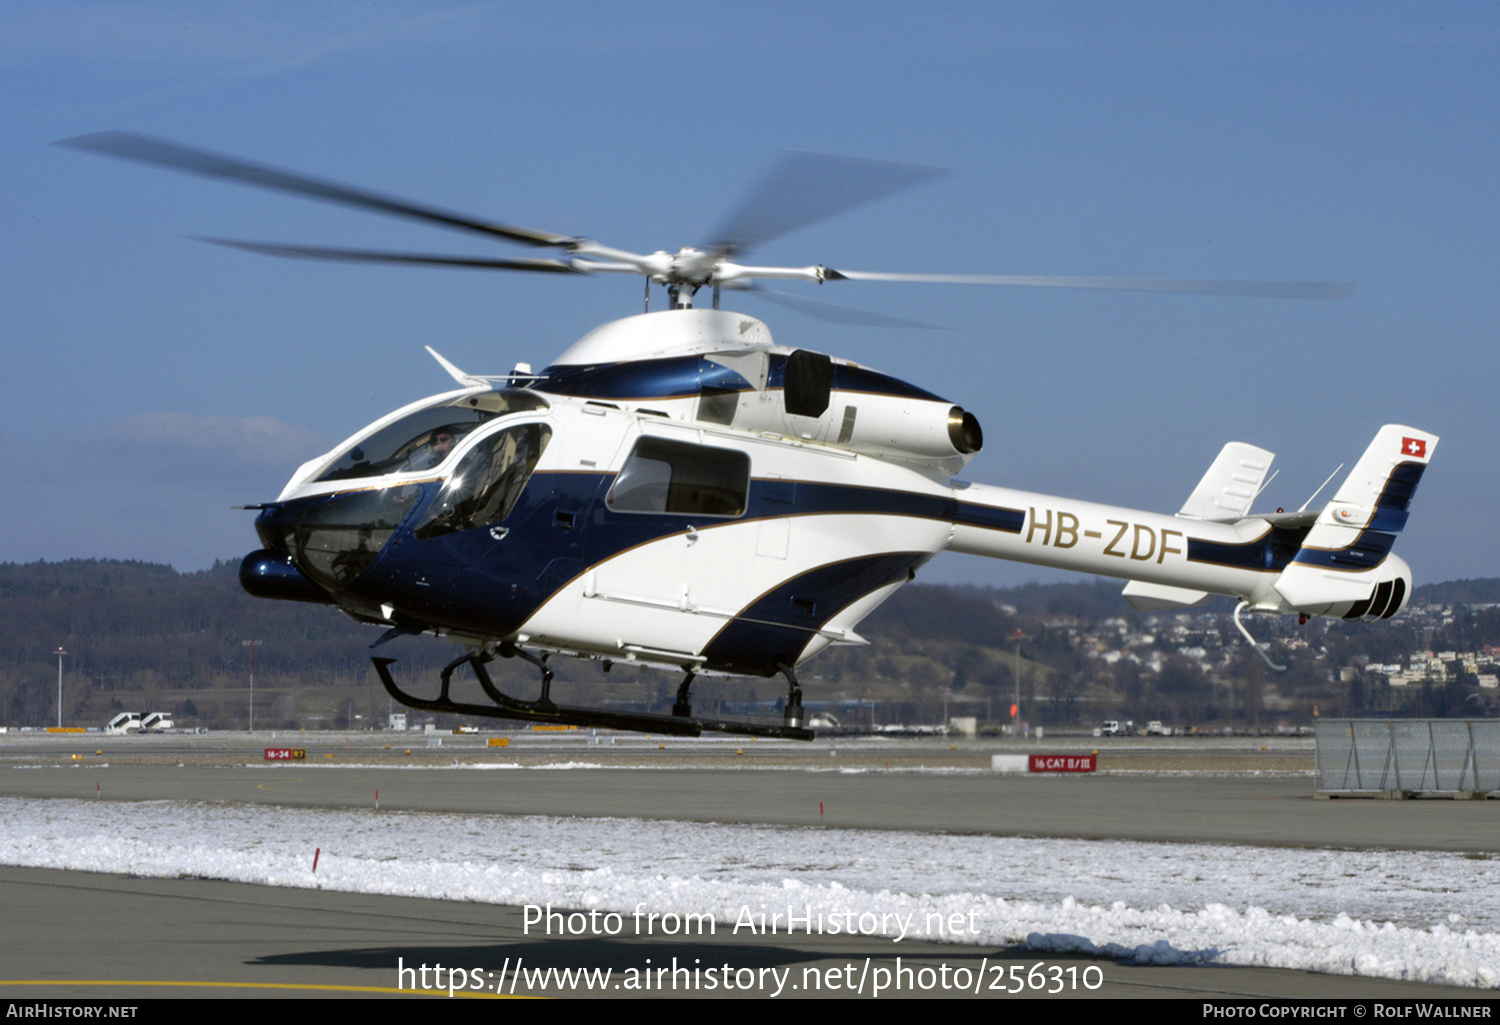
(1230, 485)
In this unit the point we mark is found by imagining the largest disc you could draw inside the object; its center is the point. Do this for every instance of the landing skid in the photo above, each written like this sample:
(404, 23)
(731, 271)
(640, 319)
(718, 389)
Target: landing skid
(545, 711)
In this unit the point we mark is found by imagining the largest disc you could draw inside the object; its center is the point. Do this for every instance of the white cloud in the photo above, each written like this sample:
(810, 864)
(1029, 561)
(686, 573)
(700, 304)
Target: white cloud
(163, 487)
(183, 449)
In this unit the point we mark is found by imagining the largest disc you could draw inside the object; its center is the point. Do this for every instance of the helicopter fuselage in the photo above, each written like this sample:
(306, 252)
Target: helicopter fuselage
(705, 500)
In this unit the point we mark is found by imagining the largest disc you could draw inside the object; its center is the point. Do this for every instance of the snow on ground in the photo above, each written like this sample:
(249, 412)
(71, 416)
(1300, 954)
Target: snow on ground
(1420, 916)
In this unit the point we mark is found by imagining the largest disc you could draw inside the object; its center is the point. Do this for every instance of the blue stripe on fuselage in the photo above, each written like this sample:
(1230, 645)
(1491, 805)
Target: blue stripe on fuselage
(1273, 550)
(756, 643)
(680, 377)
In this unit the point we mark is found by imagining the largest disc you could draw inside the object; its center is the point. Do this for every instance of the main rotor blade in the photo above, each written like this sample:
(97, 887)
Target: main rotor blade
(146, 150)
(383, 256)
(1255, 289)
(804, 188)
(834, 313)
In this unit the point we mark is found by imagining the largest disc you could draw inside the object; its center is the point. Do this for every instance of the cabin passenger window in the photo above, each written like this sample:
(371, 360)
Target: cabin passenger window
(663, 476)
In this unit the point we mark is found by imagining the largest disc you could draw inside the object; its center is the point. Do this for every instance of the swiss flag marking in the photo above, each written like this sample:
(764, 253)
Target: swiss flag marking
(1414, 447)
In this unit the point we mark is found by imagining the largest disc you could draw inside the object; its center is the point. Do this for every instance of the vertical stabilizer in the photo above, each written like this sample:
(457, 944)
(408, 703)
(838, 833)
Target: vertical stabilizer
(1345, 559)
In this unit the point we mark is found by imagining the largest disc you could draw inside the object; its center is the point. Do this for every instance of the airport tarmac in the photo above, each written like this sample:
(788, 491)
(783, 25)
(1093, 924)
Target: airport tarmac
(92, 936)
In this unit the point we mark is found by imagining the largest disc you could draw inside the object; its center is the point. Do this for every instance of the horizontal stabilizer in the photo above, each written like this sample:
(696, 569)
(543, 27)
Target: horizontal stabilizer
(1155, 597)
(1230, 485)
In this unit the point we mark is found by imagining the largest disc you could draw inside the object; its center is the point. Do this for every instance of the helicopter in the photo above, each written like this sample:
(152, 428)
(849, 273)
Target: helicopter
(678, 491)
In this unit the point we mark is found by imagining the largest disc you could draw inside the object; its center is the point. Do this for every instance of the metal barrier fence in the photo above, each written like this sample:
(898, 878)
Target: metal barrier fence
(1400, 757)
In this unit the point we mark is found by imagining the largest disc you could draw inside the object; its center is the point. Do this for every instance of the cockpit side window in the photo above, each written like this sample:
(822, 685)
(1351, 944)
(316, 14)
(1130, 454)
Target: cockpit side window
(662, 476)
(485, 485)
(424, 439)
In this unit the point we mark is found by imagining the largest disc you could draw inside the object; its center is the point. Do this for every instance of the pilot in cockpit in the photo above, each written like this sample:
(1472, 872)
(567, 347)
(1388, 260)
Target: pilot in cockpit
(437, 449)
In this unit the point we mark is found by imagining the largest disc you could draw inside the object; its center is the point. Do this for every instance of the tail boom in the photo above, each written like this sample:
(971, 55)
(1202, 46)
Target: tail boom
(1239, 559)
(1333, 563)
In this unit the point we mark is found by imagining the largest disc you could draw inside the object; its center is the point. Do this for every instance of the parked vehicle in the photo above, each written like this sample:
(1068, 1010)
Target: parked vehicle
(125, 722)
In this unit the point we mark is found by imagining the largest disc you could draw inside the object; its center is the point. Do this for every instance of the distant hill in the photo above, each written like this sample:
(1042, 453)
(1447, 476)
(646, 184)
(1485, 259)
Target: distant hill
(1481, 590)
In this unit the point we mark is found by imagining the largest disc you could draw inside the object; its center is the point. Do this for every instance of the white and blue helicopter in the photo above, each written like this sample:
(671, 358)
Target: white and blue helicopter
(678, 491)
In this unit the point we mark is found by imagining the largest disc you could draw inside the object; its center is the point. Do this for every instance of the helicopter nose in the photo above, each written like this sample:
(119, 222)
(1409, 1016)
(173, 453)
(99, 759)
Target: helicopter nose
(328, 541)
(267, 574)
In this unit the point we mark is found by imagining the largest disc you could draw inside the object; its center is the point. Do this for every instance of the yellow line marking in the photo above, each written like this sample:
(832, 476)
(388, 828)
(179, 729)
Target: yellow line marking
(263, 985)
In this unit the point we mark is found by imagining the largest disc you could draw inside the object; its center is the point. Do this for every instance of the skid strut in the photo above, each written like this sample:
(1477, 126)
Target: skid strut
(544, 710)
(682, 708)
(509, 650)
(794, 714)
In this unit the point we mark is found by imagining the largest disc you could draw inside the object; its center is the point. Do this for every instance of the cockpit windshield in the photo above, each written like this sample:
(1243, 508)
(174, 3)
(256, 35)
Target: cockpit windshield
(423, 440)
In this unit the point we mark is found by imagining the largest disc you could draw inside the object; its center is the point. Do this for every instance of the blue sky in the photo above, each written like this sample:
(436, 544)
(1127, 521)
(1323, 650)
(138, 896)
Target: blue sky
(151, 382)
